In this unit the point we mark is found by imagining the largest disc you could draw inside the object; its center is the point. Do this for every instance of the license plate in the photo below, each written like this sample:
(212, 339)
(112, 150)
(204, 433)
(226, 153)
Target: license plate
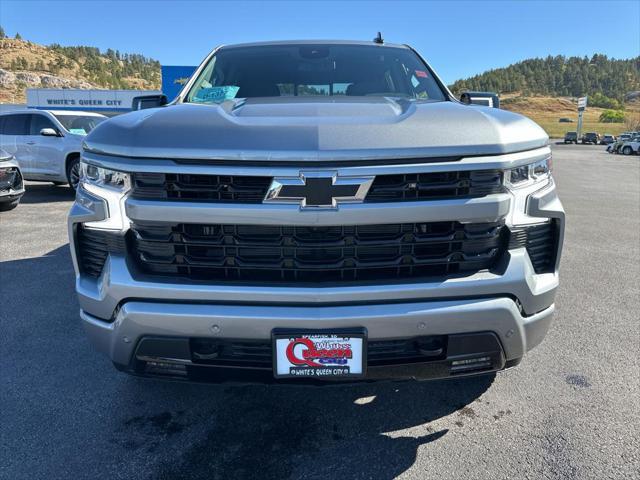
(319, 354)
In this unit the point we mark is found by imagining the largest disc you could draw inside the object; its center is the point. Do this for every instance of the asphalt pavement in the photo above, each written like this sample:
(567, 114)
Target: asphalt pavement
(569, 410)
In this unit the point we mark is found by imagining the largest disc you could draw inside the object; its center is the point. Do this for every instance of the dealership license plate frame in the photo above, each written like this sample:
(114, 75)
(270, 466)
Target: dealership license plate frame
(285, 333)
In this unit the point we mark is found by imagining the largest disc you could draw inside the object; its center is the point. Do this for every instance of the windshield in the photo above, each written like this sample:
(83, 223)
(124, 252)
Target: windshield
(314, 70)
(79, 124)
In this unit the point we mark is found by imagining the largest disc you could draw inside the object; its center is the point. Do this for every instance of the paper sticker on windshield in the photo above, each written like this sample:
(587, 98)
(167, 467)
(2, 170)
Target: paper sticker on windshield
(78, 131)
(421, 74)
(216, 94)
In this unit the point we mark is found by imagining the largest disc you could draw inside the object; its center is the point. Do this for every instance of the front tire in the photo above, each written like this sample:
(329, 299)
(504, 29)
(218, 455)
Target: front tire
(73, 172)
(627, 150)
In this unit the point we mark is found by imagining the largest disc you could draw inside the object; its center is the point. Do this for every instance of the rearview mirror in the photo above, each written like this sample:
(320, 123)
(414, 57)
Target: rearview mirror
(148, 101)
(487, 99)
(48, 132)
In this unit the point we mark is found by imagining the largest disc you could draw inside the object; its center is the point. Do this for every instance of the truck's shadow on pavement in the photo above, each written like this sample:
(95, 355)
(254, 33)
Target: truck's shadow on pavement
(47, 193)
(169, 430)
(320, 432)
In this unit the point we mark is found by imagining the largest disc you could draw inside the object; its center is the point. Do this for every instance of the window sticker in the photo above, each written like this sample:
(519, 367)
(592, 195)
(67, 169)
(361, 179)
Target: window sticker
(216, 94)
(421, 74)
(78, 131)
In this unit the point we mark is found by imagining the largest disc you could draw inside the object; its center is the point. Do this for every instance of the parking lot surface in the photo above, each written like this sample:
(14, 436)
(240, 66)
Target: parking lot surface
(570, 410)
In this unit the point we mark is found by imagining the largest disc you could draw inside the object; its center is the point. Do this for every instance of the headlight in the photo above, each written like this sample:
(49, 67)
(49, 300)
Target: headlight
(525, 175)
(104, 178)
(112, 187)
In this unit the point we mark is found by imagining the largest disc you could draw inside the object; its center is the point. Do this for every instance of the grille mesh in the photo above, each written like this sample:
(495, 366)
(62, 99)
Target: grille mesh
(259, 253)
(435, 185)
(213, 188)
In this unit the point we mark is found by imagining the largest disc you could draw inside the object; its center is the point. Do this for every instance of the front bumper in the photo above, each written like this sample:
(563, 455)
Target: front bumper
(176, 323)
(14, 191)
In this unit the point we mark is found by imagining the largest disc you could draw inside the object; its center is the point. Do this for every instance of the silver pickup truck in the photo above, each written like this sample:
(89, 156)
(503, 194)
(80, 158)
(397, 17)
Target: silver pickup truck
(310, 211)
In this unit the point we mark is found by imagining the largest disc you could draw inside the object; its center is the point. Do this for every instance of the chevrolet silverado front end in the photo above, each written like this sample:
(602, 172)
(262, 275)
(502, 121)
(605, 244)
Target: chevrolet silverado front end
(323, 210)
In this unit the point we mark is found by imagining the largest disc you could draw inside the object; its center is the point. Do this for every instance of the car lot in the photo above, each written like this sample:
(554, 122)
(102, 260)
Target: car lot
(570, 410)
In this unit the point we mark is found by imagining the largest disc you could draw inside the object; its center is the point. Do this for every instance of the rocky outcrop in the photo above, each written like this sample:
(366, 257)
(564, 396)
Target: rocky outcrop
(39, 80)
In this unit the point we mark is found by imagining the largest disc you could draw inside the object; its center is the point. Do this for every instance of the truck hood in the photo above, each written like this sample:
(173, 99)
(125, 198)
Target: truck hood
(307, 129)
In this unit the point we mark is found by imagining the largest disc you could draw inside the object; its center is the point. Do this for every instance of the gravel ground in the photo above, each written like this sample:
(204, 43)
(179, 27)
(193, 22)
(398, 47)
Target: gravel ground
(570, 410)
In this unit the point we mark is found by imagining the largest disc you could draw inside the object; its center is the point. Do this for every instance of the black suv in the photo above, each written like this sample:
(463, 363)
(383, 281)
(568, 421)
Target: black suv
(571, 137)
(591, 137)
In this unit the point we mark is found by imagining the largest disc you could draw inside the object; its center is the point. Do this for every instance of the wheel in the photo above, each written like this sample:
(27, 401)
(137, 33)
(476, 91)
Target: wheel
(73, 172)
(5, 207)
(627, 150)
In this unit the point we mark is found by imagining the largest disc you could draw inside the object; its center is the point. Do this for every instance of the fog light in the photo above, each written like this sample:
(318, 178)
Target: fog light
(470, 361)
(165, 368)
(470, 364)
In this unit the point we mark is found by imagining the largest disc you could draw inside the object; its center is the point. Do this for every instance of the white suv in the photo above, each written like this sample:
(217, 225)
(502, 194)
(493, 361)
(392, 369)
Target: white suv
(631, 146)
(47, 143)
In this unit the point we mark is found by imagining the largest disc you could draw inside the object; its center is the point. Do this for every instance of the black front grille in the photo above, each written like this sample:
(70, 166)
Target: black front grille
(10, 179)
(541, 244)
(93, 246)
(385, 188)
(212, 188)
(259, 353)
(293, 254)
(434, 185)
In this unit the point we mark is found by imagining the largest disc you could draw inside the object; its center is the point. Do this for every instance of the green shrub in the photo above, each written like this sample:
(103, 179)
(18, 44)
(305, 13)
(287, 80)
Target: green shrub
(612, 116)
(602, 101)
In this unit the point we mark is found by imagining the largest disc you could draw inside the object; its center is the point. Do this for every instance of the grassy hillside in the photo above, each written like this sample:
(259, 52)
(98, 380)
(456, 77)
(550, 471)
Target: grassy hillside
(547, 111)
(545, 89)
(560, 76)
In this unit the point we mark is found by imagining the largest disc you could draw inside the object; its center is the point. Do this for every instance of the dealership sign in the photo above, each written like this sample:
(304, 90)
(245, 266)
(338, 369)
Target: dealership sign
(582, 103)
(174, 77)
(74, 99)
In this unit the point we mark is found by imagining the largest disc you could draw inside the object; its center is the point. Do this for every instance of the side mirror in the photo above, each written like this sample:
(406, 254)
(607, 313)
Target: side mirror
(148, 101)
(488, 99)
(49, 132)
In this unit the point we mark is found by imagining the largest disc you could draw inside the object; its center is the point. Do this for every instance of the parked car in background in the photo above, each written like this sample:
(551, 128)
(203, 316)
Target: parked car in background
(631, 146)
(590, 137)
(607, 139)
(615, 147)
(571, 137)
(47, 143)
(565, 120)
(11, 182)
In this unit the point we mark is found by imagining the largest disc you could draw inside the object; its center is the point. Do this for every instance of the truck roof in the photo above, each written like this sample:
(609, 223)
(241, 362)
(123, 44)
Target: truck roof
(315, 42)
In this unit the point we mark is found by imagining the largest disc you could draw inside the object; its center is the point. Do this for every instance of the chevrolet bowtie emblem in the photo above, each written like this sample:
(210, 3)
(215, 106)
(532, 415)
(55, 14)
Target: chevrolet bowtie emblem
(323, 189)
